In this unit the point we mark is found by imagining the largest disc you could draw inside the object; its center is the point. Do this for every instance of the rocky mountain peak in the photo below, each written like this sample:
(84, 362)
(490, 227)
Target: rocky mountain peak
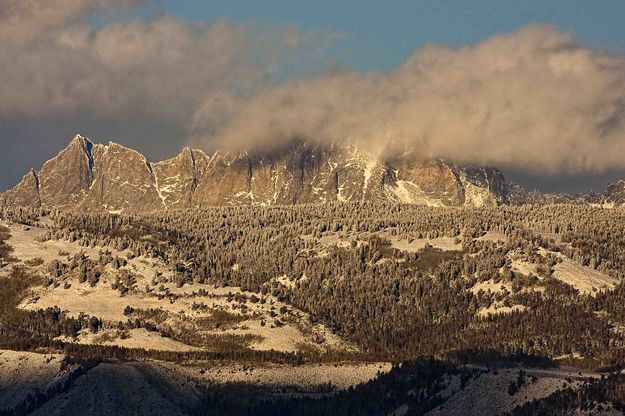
(65, 179)
(115, 178)
(79, 139)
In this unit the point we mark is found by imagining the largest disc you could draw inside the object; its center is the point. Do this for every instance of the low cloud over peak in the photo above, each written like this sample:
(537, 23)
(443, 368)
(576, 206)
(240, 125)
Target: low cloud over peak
(534, 101)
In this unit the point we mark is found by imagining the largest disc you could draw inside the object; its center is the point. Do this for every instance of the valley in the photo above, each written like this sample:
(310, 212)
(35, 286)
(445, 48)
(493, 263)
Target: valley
(315, 302)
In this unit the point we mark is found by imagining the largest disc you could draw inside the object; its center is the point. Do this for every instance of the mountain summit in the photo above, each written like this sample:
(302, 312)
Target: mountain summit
(91, 177)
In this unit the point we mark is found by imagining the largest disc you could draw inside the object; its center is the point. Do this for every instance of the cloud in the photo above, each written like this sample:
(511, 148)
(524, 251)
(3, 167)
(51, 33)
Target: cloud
(25, 20)
(163, 67)
(111, 71)
(533, 100)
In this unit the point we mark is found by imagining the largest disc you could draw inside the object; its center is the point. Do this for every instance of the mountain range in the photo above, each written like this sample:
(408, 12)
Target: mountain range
(91, 177)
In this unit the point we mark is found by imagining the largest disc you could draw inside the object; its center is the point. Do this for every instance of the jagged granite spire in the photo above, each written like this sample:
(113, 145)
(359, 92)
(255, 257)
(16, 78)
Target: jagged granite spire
(95, 177)
(65, 179)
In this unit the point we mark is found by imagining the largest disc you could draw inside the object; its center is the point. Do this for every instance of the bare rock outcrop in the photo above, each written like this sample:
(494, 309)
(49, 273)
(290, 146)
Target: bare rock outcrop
(94, 177)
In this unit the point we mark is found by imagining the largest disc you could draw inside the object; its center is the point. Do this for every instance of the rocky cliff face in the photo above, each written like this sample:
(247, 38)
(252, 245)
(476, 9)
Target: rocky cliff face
(615, 194)
(25, 193)
(300, 173)
(123, 180)
(65, 179)
(94, 177)
(176, 179)
(438, 183)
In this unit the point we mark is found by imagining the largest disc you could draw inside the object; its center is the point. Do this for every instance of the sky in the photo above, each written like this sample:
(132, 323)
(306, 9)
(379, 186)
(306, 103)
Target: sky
(382, 34)
(536, 88)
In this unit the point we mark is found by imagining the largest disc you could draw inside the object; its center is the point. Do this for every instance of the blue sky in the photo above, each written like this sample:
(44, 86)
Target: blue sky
(381, 34)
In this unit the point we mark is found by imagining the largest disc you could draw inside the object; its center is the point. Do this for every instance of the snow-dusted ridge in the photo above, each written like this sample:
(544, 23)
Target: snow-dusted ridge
(90, 176)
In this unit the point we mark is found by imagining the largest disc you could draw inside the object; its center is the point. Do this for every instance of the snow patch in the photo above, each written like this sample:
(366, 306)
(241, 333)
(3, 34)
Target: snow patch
(369, 167)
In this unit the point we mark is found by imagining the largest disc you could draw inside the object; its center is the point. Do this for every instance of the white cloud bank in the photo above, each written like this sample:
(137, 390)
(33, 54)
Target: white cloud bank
(161, 66)
(533, 100)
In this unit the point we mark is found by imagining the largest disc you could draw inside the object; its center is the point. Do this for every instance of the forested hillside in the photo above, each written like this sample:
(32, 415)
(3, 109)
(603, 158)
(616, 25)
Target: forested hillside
(361, 282)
